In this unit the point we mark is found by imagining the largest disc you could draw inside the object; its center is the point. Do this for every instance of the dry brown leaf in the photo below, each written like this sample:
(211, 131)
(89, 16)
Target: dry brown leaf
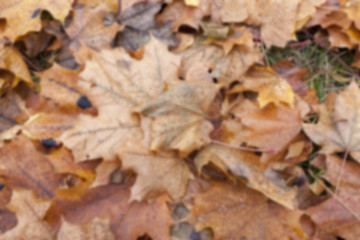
(11, 62)
(12, 114)
(260, 176)
(271, 87)
(225, 68)
(28, 168)
(23, 16)
(242, 213)
(89, 26)
(96, 229)
(337, 128)
(139, 25)
(179, 116)
(153, 219)
(339, 215)
(270, 128)
(295, 76)
(29, 211)
(116, 84)
(156, 173)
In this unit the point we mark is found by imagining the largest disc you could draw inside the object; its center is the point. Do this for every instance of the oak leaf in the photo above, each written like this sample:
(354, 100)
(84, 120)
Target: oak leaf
(337, 128)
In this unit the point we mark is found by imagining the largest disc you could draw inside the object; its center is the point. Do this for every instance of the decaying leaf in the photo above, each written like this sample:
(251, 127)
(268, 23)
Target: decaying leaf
(116, 84)
(12, 113)
(156, 174)
(88, 27)
(12, 69)
(226, 68)
(339, 216)
(270, 128)
(219, 205)
(24, 16)
(180, 116)
(271, 87)
(140, 24)
(337, 128)
(260, 176)
(29, 211)
(28, 168)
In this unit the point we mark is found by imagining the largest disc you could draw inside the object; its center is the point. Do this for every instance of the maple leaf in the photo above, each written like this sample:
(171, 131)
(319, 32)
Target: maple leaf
(271, 87)
(337, 128)
(23, 16)
(339, 215)
(29, 211)
(116, 84)
(226, 68)
(220, 204)
(28, 168)
(244, 164)
(136, 221)
(140, 24)
(11, 60)
(12, 108)
(156, 173)
(96, 229)
(179, 116)
(60, 101)
(87, 27)
(272, 127)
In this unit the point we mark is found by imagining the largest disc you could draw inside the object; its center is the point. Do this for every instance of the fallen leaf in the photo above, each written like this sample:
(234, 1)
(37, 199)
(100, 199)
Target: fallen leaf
(29, 211)
(270, 128)
(88, 27)
(24, 16)
(238, 211)
(180, 116)
(271, 87)
(11, 60)
(336, 130)
(12, 114)
(96, 229)
(28, 168)
(116, 84)
(140, 24)
(339, 215)
(225, 68)
(135, 223)
(156, 174)
(260, 176)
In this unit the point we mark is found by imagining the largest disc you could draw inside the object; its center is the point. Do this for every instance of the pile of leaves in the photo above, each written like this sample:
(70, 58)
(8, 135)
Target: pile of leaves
(160, 120)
